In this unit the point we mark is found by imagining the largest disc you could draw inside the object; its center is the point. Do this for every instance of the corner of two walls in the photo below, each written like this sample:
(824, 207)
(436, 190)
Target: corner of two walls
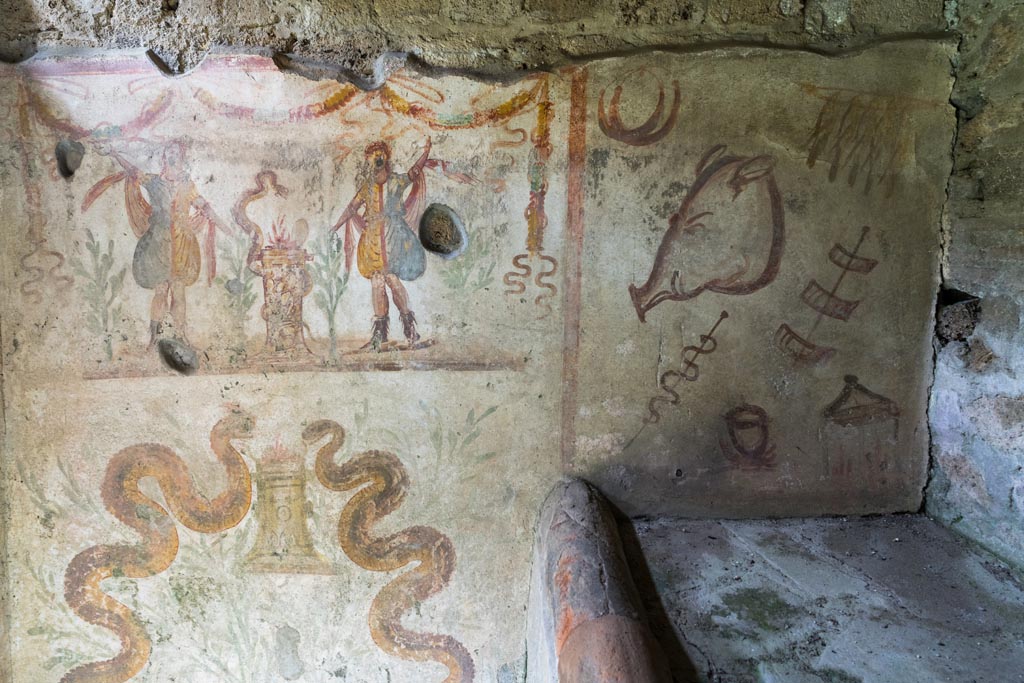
(5, 520)
(977, 401)
(580, 305)
(752, 440)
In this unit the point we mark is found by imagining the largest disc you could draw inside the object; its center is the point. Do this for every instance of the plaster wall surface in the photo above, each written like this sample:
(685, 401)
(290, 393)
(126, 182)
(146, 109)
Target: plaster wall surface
(977, 402)
(708, 292)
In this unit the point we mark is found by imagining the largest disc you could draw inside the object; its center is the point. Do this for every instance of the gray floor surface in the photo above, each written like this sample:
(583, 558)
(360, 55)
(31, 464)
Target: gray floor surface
(894, 599)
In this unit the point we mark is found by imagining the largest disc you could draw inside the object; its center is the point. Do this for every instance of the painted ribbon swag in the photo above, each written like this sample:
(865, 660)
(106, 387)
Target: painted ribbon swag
(159, 546)
(382, 481)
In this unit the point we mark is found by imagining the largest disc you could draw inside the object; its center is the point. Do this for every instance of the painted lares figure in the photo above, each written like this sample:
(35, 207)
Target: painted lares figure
(166, 220)
(388, 251)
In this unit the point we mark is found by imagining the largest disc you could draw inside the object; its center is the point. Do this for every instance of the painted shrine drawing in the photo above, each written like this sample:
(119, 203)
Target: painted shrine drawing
(273, 272)
(270, 341)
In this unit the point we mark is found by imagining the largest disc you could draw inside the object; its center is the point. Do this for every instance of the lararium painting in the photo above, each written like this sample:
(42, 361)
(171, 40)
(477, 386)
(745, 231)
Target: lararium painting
(290, 365)
(256, 272)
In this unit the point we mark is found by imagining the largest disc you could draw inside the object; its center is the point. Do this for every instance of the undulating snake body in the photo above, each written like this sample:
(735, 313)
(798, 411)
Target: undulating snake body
(382, 481)
(159, 545)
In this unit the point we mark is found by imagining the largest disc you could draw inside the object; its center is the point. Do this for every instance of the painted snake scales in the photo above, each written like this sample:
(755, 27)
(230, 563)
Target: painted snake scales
(124, 499)
(382, 480)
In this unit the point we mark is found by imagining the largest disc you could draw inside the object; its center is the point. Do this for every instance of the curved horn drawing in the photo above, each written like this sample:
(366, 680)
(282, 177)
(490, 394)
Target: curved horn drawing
(646, 133)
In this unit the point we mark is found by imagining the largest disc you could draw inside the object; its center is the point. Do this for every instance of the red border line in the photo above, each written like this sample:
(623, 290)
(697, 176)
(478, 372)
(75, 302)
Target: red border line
(574, 262)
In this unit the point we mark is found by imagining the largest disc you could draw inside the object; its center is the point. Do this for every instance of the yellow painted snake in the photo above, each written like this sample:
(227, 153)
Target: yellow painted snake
(123, 498)
(382, 481)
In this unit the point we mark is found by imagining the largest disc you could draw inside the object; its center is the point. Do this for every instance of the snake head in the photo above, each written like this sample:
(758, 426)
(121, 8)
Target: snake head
(238, 423)
(267, 180)
(319, 429)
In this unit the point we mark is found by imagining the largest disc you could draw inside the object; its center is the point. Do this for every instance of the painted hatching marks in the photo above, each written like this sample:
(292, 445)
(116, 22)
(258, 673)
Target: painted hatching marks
(381, 482)
(658, 124)
(826, 303)
(747, 443)
(669, 380)
(859, 433)
(124, 499)
(727, 236)
(863, 136)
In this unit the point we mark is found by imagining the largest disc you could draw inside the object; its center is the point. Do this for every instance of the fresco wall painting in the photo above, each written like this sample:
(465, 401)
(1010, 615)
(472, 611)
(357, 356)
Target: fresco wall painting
(716, 232)
(613, 269)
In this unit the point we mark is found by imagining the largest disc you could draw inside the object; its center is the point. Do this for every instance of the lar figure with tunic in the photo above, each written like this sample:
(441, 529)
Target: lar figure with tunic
(388, 252)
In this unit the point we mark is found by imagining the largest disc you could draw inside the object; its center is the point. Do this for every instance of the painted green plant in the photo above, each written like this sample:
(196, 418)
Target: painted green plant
(204, 582)
(103, 287)
(329, 280)
(451, 442)
(69, 503)
(474, 268)
(239, 285)
(69, 641)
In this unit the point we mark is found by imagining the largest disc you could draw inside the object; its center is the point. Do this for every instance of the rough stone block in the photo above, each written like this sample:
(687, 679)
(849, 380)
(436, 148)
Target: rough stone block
(565, 10)
(393, 11)
(483, 11)
(899, 16)
(661, 13)
(764, 14)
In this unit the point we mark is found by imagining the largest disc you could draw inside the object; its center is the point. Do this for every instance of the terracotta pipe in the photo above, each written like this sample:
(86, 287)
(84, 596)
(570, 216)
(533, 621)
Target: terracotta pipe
(586, 620)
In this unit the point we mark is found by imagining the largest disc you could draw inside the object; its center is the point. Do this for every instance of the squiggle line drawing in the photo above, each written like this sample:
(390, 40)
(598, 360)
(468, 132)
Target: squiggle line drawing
(670, 379)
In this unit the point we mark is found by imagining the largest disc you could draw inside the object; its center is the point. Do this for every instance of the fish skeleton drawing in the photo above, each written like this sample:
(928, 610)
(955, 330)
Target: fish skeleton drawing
(727, 236)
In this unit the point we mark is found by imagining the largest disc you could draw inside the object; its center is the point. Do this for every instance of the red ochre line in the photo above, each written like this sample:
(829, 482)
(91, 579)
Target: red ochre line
(573, 260)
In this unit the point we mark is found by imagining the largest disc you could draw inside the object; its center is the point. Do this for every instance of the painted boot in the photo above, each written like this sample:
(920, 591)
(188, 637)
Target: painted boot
(409, 327)
(379, 334)
(155, 331)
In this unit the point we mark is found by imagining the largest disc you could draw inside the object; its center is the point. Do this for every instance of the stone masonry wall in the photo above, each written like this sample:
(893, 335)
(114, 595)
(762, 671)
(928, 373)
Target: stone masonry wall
(488, 36)
(977, 405)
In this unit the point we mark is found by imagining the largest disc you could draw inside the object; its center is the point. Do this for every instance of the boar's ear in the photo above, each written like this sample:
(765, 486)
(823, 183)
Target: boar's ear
(753, 169)
(710, 157)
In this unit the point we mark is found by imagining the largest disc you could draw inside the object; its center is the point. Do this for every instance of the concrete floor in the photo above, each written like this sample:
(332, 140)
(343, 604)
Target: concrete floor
(887, 599)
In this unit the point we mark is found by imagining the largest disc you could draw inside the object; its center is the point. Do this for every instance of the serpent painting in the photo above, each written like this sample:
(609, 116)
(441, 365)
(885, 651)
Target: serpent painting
(124, 499)
(382, 481)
